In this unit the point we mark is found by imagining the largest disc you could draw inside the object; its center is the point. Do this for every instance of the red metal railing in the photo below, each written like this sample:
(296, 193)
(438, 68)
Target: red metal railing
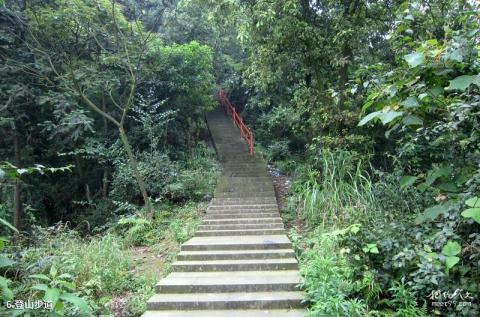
(230, 109)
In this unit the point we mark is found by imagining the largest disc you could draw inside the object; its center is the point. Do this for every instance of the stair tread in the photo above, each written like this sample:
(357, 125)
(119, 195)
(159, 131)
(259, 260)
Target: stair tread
(231, 278)
(221, 252)
(234, 240)
(249, 261)
(227, 313)
(230, 297)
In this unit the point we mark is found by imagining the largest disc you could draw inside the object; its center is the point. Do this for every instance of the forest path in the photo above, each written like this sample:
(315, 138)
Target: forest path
(240, 262)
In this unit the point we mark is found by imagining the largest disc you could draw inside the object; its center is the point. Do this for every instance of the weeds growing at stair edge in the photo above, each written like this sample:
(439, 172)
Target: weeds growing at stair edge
(363, 253)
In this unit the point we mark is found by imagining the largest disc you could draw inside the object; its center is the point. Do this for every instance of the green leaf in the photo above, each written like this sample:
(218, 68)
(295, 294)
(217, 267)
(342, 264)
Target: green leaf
(374, 250)
(355, 228)
(53, 271)
(407, 180)
(410, 102)
(77, 301)
(448, 187)
(414, 59)
(452, 248)
(450, 261)
(461, 82)
(431, 213)
(6, 291)
(389, 116)
(40, 287)
(368, 118)
(8, 225)
(473, 213)
(68, 285)
(52, 294)
(412, 121)
(437, 172)
(473, 202)
(4, 261)
(42, 277)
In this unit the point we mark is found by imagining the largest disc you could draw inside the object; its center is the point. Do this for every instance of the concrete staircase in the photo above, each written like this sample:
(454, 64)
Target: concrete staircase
(240, 262)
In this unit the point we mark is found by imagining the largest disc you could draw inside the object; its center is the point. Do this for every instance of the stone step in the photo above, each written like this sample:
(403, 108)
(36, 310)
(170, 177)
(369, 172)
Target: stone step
(242, 281)
(242, 206)
(235, 255)
(228, 207)
(241, 214)
(227, 313)
(246, 174)
(243, 210)
(241, 226)
(234, 220)
(245, 192)
(246, 201)
(235, 265)
(231, 300)
(234, 243)
(240, 232)
(240, 194)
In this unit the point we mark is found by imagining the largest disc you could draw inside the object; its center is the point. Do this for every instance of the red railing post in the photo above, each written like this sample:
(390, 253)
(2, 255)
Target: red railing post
(245, 133)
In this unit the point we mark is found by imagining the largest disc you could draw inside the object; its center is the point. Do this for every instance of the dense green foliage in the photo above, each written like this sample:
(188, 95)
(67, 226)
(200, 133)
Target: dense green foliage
(371, 106)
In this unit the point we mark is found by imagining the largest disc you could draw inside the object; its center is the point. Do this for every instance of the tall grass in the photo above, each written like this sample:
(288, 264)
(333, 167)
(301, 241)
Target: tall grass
(338, 192)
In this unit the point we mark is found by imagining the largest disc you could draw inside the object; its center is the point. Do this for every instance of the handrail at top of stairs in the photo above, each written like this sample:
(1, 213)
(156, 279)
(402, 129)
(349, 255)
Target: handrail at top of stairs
(230, 109)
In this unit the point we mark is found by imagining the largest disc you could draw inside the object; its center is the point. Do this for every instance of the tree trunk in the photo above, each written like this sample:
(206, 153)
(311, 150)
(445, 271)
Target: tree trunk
(17, 196)
(138, 176)
(106, 171)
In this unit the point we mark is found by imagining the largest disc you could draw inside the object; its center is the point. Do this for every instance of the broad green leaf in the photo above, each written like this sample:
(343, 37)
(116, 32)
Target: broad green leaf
(40, 287)
(410, 102)
(436, 91)
(355, 228)
(53, 271)
(461, 82)
(437, 172)
(389, 116)
(77, 301)
(473, 202)
(406, 181)
(452, 248)
(448, 187)
(473, 213)
(42, 277)
(68, 285)
(412, 121)
(423, 96)
(6, 292)
(431, 213)
(4, 261)
(52, 294)
(368, 118)
(414, 59)
(450, 261)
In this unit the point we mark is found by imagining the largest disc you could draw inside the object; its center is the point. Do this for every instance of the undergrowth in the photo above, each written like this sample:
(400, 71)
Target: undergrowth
(98, 268)
(362, 253)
